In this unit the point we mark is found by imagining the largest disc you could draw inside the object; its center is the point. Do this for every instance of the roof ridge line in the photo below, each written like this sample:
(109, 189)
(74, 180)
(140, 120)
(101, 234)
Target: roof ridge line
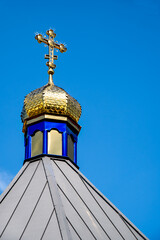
(59, 209)
(112, 205)
(107, 200)
(93, 215)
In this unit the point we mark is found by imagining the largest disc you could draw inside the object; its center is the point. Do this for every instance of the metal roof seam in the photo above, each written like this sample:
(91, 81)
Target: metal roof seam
(105, 199)
(74, 229)
(33, 159)
(70, 163)
(77, 212)
(52, 201)
(103, 210)
(47, 224)
(33, 211)
(57, 203)
(83, 201)
(67, 160)
(134, 227)
(128, 228)
(110, 204)
(13, 182)
(19, 200)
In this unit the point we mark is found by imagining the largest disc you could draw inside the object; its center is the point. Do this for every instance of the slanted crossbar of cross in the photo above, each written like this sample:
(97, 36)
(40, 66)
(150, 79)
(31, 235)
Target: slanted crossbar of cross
(51, 46)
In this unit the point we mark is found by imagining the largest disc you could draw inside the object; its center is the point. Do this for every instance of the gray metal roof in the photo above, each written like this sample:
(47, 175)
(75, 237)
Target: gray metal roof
(51, 199)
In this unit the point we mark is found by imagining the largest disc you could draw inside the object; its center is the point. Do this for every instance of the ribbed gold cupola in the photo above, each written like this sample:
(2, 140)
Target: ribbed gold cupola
(50, 99)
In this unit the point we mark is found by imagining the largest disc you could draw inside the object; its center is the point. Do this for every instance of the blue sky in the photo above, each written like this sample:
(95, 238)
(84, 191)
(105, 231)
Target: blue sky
(112, 67)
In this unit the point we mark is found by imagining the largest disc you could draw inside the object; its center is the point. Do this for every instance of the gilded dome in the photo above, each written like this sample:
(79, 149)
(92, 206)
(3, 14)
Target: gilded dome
(52, 100)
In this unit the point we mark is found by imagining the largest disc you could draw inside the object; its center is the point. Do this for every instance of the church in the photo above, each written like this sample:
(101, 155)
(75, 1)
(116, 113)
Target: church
(50, 198)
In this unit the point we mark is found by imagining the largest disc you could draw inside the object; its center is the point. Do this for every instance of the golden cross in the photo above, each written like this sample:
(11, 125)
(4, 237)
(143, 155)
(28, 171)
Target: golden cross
(51, 45)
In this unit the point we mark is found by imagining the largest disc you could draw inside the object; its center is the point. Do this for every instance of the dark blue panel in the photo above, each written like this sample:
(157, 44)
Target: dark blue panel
(70, 132)
(64, 144)
(46, 125)
(29, 146)
(45, 142)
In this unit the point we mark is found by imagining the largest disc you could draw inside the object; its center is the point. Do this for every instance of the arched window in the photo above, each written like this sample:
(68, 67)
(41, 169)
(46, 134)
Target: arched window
(70, 147)
(54, 142)
(37, 144)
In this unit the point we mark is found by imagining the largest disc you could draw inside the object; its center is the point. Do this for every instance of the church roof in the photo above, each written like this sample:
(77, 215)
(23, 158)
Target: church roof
(51, 199)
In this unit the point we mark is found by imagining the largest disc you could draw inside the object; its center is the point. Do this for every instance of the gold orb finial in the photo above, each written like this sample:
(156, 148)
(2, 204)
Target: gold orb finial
(51, 46)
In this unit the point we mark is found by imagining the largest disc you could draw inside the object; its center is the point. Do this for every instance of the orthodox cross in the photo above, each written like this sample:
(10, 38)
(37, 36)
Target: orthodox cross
(50, 56)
